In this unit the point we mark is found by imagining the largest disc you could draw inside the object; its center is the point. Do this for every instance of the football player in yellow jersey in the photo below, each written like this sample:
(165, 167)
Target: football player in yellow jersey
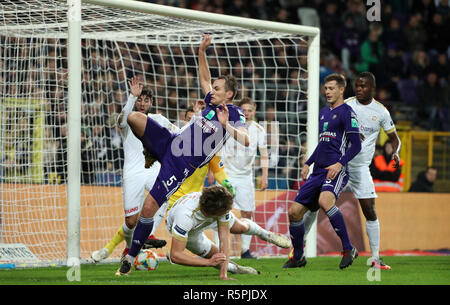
(195, 182)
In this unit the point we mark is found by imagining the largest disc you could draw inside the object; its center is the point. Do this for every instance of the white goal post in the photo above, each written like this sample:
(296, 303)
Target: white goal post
(76, 56)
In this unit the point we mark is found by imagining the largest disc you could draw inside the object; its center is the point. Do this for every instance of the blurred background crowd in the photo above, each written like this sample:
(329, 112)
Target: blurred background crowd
(408, 49)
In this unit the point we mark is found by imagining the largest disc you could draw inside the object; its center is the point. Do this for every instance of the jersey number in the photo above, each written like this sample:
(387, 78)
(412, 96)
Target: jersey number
(171, 180)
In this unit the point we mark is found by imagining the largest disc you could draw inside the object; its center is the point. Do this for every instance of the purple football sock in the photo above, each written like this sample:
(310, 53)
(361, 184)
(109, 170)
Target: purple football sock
(338, 223)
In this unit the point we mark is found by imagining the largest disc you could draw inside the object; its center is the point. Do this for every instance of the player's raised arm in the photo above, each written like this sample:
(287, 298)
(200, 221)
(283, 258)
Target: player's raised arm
(135, 90)
(203, 69)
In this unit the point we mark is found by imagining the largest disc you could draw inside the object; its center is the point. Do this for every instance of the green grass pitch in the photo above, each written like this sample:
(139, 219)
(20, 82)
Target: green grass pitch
(406, 270)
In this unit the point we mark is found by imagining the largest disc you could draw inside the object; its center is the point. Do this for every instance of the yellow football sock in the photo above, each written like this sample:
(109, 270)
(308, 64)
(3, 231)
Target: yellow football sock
(117, 239)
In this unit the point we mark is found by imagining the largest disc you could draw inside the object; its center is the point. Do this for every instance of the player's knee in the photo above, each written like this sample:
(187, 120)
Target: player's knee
(149, 208)
(131, 221)
(137, 122)
(295, 212)
(326, 202)
(240, 226)
(368, 209)
(132, 118)
(246, 214)
(370, 214)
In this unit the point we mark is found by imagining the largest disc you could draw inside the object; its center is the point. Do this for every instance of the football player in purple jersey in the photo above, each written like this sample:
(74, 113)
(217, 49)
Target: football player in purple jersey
(339, 142)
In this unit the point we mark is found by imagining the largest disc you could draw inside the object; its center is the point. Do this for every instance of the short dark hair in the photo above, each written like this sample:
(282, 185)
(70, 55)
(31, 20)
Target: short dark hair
(431, 167)
(231, 84)
(369, 76)
(246, 100)
(189, 109)
(148, 92)
(339, 78)
(216, 199)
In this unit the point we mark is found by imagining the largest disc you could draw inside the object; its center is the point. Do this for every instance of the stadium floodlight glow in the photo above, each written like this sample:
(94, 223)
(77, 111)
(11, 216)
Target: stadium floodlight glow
(63, 77)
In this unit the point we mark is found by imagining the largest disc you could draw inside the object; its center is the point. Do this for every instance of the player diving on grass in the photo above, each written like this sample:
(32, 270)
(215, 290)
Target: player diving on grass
(136, 177)
(180, 154)
(193, 213)
(339, 142)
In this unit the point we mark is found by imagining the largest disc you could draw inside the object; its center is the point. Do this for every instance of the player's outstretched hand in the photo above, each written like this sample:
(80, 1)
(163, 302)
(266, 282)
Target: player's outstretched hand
(206, 42)
(223, 114)
(217, 259)
(135, 86)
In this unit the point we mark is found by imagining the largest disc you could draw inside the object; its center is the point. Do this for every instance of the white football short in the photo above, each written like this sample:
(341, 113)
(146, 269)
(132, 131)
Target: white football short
(133, 189)
(198, 243)
(361, 183)
(245, 193)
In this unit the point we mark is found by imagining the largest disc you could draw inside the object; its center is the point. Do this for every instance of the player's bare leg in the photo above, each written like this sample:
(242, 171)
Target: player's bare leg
(373, 231)
(327, 202)
(137, 122)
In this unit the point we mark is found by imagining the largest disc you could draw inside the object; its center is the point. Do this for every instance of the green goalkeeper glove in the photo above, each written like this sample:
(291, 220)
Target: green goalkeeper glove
(226, 184)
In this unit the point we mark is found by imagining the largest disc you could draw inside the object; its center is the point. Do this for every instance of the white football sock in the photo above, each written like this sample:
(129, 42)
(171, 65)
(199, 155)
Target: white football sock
(373, 232)
(308, 220)
(159, 216)
(232, 267)
(127, 234)
(245, 242)
(255, 229)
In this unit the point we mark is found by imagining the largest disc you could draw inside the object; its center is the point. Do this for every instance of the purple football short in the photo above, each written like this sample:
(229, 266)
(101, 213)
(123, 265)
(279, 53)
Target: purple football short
(156, 139)
(174, 170)
(317, 182)
(172, 174)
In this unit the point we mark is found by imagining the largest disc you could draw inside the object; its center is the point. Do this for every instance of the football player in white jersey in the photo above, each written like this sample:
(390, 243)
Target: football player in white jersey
(193, 213)
(372, 116)
(238, 161)
(136, 177)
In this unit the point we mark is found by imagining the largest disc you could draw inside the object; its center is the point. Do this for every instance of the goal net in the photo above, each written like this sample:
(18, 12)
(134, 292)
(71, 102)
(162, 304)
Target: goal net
(118, 43)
